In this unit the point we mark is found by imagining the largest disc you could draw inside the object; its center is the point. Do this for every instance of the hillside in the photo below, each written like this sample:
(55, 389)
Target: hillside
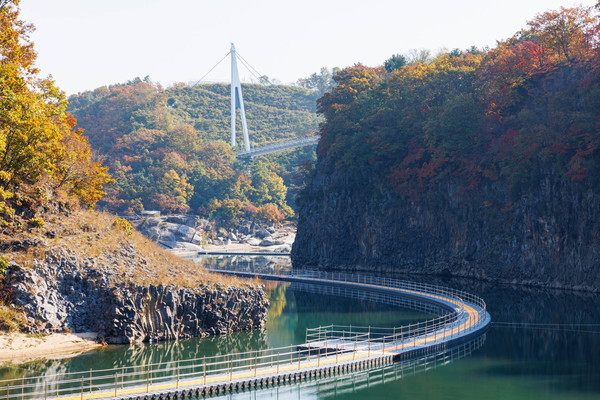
(477, 163)
(85, 271)
(65, 267)
(167, 147)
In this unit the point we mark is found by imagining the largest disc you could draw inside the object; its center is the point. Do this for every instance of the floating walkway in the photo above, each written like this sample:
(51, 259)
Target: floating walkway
(328, 350)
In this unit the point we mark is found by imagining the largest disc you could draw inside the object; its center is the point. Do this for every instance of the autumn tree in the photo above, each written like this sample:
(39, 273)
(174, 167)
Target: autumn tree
(267, 186)
(319, 82)
(39, 144)
(568, 34)
(270, 213)
(396, 61)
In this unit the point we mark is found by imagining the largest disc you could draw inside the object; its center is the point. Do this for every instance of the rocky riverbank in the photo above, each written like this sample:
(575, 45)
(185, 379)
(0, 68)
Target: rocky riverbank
(65, 293)
(91, 272)
(191, 233)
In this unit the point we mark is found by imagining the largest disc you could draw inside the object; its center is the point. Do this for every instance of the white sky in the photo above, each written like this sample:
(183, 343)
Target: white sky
(85, 44)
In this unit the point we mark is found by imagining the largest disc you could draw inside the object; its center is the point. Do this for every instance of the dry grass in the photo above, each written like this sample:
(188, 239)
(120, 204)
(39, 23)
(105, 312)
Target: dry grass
(92, 234)
(11, 319)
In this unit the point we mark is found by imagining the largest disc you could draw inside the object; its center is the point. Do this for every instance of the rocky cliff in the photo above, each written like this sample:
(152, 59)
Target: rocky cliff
(550, 236)
(64, 292)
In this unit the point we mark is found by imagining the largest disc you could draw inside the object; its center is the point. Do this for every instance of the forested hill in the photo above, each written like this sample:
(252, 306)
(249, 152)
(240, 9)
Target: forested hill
(273, 112)
(167, 148)
(479, 163)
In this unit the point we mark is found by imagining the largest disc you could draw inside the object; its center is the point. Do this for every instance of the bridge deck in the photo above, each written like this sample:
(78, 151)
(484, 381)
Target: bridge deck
(279, 146)
(260, 377)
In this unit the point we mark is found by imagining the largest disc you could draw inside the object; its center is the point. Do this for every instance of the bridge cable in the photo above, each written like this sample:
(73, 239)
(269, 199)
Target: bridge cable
(211, 70)
(251, 68)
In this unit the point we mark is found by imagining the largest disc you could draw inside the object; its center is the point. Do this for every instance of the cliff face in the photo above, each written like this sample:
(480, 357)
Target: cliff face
(549, 237)
(62, 292)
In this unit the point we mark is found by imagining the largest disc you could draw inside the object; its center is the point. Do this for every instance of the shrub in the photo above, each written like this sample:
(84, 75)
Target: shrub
(3, 265)
(36, 222)
(124, 225)
(11, 319)
(270, 213)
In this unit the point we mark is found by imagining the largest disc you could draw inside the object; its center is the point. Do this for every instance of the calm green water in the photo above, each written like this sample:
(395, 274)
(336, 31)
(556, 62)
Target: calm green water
(545, 362)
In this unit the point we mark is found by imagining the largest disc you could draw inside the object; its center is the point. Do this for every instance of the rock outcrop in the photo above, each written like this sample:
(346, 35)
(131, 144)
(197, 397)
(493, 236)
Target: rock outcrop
(63, 292)
(182, 232)
(188, 233)
(548, 237)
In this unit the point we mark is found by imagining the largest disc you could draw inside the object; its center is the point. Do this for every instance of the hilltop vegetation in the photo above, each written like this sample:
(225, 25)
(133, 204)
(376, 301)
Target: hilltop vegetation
(167, 148)
(511, 114)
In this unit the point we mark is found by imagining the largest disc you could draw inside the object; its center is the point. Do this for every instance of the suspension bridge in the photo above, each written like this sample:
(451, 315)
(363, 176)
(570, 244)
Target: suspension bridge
(327, 351)
(237, 103)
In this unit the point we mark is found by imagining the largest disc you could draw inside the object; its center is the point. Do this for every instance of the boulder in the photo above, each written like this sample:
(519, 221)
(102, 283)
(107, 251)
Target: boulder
(169, 244)
(197, 239)
(286, 248)
(153, 221)
(253, 242)
(186, 233)
(152, 233)
(269, 241)
(188, 220)
(262, 233)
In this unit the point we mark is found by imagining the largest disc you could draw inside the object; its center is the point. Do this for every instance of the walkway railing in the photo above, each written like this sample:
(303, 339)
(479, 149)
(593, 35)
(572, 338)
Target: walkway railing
(403, 337)
(325, 345)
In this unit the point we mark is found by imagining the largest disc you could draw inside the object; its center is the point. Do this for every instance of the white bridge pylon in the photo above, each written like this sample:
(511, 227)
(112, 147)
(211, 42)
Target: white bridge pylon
(237, 102)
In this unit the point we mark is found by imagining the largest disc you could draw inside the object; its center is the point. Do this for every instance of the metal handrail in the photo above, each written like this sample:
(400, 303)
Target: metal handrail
(361, 339)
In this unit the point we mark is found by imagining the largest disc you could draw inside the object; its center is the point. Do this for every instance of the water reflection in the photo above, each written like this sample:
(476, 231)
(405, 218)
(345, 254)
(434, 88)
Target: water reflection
(257, 264)
(362, 383)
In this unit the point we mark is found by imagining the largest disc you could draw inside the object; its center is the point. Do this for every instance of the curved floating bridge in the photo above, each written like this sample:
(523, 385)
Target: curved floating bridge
(327, 351)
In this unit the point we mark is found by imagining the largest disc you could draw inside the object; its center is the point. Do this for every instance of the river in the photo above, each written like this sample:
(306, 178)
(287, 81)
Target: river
(542, 345)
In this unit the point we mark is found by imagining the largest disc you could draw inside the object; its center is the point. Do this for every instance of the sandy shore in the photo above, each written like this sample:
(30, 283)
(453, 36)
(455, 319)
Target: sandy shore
(21, 347)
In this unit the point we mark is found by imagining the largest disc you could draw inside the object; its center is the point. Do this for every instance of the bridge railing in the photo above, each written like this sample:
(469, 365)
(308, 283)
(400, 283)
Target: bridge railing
(335, 342)
(392, 283)
(459, 297)
(279, 146)
(439, 356)
(148, 377)
(391, 299)
(431, 330)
